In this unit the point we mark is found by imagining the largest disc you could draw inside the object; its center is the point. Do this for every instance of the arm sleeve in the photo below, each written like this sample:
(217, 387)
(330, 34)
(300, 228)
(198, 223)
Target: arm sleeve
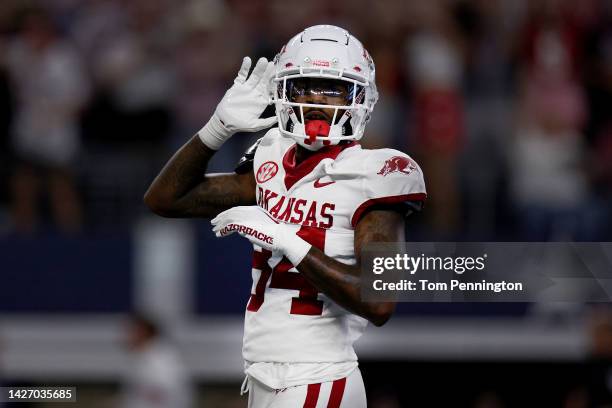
(392, 180)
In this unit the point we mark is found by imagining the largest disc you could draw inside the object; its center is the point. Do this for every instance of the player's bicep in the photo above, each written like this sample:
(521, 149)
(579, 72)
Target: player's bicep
(222, 191)
(219, 192)
(379, 226)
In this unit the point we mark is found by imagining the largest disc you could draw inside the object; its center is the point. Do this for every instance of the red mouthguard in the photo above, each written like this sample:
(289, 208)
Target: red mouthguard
(316, 128)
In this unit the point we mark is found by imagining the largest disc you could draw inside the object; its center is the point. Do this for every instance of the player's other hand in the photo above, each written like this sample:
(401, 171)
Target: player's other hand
(254, 223)
(241, 106)
(251, 222)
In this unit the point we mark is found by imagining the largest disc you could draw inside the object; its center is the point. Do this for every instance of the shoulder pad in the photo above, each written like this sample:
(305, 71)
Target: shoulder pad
(393, 181)
(245, 164)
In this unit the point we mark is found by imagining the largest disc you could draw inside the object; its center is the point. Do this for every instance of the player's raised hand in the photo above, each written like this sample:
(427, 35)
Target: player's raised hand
(254, 223)
(241, 106)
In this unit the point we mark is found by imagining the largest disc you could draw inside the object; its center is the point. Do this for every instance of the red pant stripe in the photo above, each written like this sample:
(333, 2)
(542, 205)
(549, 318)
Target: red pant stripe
(335, 398)
(312, 395)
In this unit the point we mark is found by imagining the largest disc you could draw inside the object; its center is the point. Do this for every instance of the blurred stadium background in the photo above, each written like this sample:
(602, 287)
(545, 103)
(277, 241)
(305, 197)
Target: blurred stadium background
(506, 104)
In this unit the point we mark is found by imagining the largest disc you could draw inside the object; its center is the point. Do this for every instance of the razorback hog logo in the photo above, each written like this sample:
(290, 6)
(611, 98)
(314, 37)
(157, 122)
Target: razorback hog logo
(397, 163)
(266, 171)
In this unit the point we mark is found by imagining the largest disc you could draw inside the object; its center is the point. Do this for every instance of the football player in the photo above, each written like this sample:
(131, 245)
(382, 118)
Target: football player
(309, 198)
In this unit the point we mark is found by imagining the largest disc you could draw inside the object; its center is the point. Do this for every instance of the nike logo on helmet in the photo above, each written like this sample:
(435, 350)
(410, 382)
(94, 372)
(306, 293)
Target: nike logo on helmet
(318, 184)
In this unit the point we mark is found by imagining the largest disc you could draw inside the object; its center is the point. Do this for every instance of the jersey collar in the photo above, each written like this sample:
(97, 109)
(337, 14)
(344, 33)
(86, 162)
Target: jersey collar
(294, 173)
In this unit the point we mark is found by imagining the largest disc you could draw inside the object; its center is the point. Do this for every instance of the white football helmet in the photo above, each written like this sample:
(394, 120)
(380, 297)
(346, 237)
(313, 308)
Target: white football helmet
(324, 60)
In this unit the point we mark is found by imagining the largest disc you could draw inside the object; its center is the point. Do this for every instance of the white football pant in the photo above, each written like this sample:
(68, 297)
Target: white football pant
(348, 392)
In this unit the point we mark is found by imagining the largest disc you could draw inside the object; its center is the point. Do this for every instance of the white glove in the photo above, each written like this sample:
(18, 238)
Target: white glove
(241, 106)
(253, 223)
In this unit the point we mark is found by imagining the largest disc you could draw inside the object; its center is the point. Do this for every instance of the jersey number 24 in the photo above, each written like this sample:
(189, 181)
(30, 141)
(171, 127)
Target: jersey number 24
(304, 304)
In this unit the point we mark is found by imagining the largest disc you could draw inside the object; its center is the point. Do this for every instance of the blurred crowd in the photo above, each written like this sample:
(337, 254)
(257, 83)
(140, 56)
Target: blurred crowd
(504, 103)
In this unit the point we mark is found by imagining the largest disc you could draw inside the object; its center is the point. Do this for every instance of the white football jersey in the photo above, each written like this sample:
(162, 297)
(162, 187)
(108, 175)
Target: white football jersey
(287, 320)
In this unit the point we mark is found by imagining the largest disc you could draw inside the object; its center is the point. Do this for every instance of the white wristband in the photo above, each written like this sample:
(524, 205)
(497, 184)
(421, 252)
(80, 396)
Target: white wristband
(214, 134)
(294, 247)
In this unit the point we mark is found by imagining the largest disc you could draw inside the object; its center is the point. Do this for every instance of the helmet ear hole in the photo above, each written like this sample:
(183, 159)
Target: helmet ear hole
(347, 129)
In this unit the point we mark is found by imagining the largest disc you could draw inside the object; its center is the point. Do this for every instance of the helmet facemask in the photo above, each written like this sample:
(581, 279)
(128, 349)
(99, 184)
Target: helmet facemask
(321, 107)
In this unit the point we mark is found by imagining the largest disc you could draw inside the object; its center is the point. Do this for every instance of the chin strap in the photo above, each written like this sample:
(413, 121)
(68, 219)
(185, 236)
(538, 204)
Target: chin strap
(316, 128)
